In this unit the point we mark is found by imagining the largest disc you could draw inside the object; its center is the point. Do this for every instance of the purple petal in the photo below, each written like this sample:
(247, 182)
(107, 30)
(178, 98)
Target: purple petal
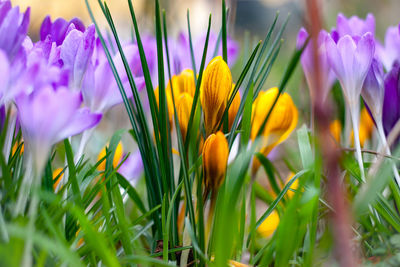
(391, 103)
(132, 168)
(84, 54)
(81, 121)
(373, 89)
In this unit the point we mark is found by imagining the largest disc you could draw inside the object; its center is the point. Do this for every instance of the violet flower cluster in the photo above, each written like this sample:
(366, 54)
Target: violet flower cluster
(363, 65)
(62, 84)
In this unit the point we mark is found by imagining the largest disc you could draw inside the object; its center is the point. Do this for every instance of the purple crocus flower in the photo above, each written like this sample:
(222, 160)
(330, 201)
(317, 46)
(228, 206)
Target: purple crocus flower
(391, 103)
(350, 60)
(13, 28)
(76, 52)
(307, 62)
(373, 90)
(390, 51)
(354, 26)
(99, 88)
(48, 116)
(57, 30)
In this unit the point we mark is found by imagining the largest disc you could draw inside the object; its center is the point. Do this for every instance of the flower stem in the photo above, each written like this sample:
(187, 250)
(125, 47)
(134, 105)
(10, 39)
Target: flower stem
(355, 120)
(382, 137)
(33, 206)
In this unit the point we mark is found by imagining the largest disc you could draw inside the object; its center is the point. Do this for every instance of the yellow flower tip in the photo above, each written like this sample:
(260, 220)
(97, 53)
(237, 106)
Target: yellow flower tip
(336, 128)
(233, 109)
(215, 88)
(233, 263)
(57, 177)
(186, 82)
(183, 108)
(215, 160)
(118, 154)
(269, 225)
(282, 121)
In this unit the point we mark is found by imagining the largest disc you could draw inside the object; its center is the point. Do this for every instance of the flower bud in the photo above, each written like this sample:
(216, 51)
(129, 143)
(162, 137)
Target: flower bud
(116, 160)
(233, 109)
(281, 122)
(269, 225)
(183, 83)
(215, 159)
(215, 88)
(183, 108)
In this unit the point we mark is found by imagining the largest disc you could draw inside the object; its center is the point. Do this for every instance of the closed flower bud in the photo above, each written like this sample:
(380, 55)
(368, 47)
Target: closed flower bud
(183, 108)
(233, 109)
(183, 83)
(116, 160)
(335, 128)
(215, 159)
(269, 225)
(215, 88)
(281, 122)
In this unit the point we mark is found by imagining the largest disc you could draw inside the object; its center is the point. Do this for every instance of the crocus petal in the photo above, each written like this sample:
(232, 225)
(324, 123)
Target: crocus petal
(391, 104)
(363, 57)
(83, 119)
(5, 72)
(84, 54)
(373, 89)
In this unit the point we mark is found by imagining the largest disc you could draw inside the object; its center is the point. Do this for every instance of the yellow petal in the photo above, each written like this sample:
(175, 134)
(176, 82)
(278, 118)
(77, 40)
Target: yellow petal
(116, 160)
(237, 264)
(335, 128)
(56, 174)
(183, 108)
(233, 109)
(183, 83)
(215, 88)
(215, 159)
(269, 225)
(280, 124)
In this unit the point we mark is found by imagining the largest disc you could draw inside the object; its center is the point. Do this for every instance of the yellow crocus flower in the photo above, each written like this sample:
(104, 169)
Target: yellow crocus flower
(269, 225)
(281, 122)
(214, 92)
(183, 108)
(116, 160)
(182, 83)
(215, 160)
